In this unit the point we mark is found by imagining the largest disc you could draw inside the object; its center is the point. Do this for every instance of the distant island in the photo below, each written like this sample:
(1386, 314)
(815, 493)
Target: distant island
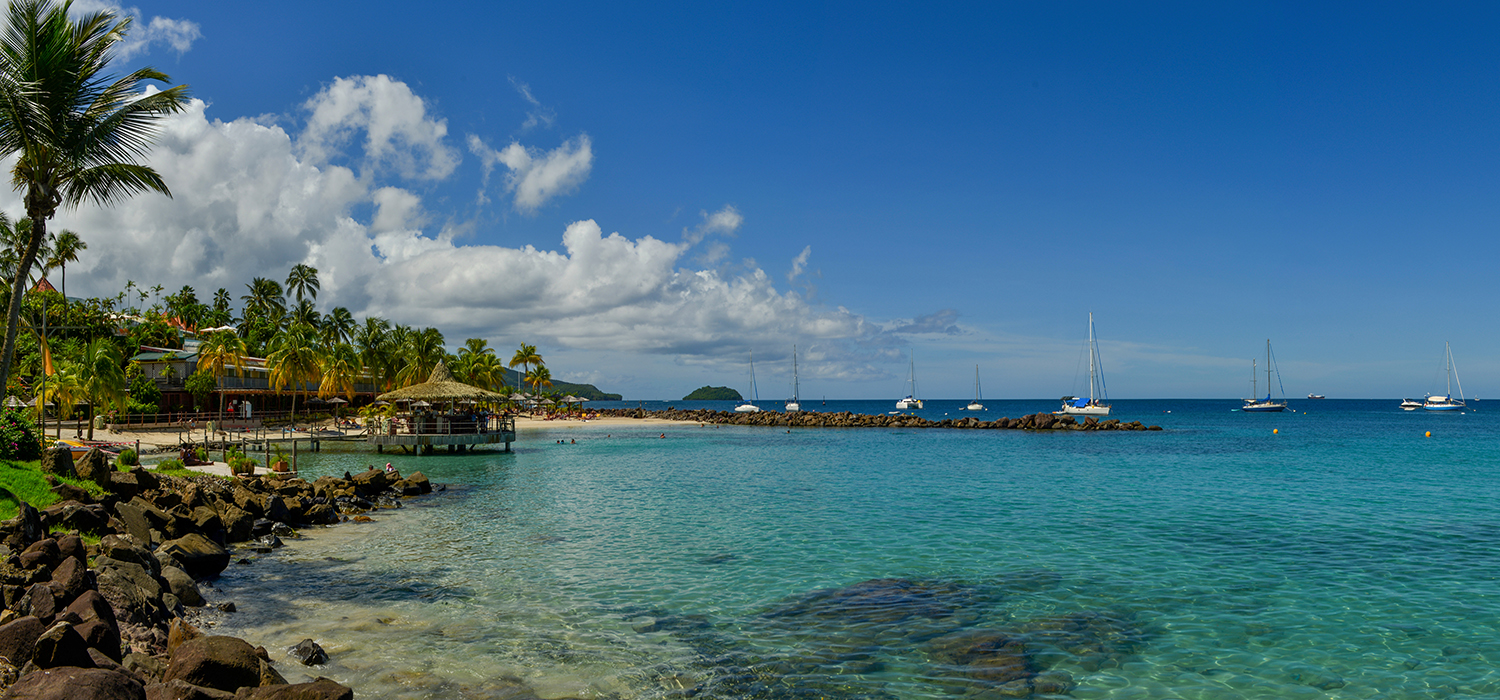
(713, 393)
(582, 391)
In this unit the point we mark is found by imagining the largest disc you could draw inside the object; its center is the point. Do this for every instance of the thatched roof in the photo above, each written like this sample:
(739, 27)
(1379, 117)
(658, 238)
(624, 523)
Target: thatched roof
(441, 387)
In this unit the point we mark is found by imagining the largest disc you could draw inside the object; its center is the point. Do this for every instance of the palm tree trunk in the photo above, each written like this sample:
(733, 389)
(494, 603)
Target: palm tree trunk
(91, 420)
(17, 293)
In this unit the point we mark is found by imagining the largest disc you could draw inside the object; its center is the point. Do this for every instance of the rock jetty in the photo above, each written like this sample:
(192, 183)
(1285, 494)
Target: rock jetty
(120, 627)
(845, 419)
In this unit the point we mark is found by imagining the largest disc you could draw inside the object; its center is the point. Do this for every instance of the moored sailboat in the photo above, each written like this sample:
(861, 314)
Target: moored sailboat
(1096, 403)
(975, 405)
(1446, 402)
(1266, 405)
(748, 406)
(793, 406)
(911, 400)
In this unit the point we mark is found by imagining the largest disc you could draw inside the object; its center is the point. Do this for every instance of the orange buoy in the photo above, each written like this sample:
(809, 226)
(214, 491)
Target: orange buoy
(1275, 431)
(1429, 433)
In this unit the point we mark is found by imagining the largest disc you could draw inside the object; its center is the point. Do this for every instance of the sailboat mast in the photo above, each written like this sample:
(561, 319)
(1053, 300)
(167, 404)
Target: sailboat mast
(1093, 383)
(795, 385)
(1448, 358)
(1254, 375)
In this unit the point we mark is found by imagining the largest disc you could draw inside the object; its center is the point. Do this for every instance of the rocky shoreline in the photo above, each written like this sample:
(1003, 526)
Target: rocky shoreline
(115, 620)
(845, 419)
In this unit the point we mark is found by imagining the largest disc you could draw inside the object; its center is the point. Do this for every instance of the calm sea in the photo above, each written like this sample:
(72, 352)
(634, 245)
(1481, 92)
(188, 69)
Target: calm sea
(1333, 552)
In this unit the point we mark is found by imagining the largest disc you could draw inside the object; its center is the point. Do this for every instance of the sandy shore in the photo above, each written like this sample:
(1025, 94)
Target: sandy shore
(153, 441)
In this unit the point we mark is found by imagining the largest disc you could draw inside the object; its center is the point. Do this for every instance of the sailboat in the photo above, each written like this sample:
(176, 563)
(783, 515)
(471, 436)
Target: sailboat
(1095, 403)
(1446, 402)
(749, 406)
(1266, 405)
(975, 405)
(911, 400)
(793, 406)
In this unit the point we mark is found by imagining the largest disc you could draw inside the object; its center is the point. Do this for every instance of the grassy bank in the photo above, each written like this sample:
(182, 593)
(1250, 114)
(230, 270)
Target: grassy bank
(26, 482)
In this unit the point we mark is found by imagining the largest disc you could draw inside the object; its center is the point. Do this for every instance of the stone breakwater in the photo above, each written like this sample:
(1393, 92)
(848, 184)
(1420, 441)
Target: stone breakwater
(1039, 421)
(115, 620)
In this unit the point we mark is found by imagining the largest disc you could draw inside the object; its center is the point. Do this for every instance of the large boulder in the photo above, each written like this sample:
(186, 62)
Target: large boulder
(222, 663)
(421, 482)
(237, 522)
(371, 481)
(128, 548)
(179, 689)
(59, 461)
(70, 683)
(26, 528)
(94, 466)
(201, 556)
(320, 689)
(18, 639)
(310, 653)
(126, 484)
(69, 580)
(74, 515)
(182, 585)
(62, 646)
(132, 592)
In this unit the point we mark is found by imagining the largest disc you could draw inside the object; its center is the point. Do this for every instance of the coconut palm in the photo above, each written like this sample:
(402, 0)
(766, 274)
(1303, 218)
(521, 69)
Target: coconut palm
(218, 353)
(62, 389)
(372, 340)
(303, 281)
(485, 372)
(538, 378)
(341, 367)
(338, 326)
(420, 355)
(65, 249)
(264, 299)
(294, 361)
(526, 356)
(100, 377)
(304, 313)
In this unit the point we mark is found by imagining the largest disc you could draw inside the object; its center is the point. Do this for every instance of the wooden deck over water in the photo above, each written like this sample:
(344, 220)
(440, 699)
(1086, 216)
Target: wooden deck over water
(429, 433)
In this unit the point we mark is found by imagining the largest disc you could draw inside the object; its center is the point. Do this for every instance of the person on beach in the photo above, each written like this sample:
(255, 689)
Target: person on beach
(389, 469)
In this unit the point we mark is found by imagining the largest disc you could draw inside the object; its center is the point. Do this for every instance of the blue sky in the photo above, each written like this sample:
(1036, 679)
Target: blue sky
(861, 180)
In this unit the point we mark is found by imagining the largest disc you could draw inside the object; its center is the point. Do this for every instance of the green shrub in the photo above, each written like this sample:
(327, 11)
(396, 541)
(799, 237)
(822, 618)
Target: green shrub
(170, 465)
(18, 440)
(202, 454)
(128, 458)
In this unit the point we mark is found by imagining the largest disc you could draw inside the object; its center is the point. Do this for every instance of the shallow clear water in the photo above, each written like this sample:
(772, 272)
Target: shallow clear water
(1347, 556)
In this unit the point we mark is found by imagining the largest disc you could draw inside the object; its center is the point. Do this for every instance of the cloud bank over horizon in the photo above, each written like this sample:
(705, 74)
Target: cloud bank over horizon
(252, 198)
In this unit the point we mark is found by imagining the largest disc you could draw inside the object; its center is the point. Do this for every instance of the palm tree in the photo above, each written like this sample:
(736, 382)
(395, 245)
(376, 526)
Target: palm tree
(338, 326)
(304, 313)
(302, 279)
(526, 356)
(294, 361)
(421, 354)
(218, 352)
(485, 372)
(264, 299)
(340, 368)
(538, 378)
(100, 377)
(63, 389)
(65, 249)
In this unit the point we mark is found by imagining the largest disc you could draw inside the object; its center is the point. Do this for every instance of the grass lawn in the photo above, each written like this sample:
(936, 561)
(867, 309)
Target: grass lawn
(25, 480)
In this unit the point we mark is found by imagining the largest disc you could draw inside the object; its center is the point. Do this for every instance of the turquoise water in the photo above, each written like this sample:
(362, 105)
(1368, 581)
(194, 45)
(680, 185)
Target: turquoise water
(1347, 556)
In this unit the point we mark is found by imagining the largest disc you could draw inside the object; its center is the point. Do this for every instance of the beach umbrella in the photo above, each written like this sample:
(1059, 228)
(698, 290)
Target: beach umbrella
(381, 403)
(13, 402)
(420, 404)
(337, 400)
(315, 400)
(548, 402)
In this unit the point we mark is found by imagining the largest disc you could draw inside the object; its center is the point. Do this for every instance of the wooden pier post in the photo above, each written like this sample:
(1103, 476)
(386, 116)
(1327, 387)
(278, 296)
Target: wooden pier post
(294, 454)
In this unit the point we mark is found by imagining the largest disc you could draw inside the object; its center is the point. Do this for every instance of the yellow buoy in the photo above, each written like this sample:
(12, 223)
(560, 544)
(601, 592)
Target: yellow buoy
(1275, 431)
(1429, 433)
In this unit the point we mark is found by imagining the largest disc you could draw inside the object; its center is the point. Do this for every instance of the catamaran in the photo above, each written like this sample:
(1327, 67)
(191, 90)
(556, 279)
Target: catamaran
(749, 406)
(793, 406)
(975, 405)
(1266, 405)
(911, 400)
(1446, 402)
(1095, 403)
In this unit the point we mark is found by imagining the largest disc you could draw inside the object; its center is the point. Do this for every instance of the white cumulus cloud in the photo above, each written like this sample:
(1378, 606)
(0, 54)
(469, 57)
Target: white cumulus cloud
(398, 134)
(249, 201)
(179, 34)
(536, 176)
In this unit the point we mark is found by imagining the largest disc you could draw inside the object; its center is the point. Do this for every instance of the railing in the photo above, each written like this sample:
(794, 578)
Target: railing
(444, 425)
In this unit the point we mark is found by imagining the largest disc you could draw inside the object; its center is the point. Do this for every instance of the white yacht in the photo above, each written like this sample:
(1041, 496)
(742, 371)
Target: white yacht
(975, 405)
(748, 406)
(1096, 403)
(793, 406)
(911, 401)
(1446, 402)
(1266, 405)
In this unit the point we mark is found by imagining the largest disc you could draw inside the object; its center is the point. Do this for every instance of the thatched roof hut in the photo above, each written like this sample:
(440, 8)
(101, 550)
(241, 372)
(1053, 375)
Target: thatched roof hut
(441, 386)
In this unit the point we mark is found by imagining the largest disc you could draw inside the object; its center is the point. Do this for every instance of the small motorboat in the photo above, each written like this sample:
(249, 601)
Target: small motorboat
(1410, 404)
(1316, 396)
